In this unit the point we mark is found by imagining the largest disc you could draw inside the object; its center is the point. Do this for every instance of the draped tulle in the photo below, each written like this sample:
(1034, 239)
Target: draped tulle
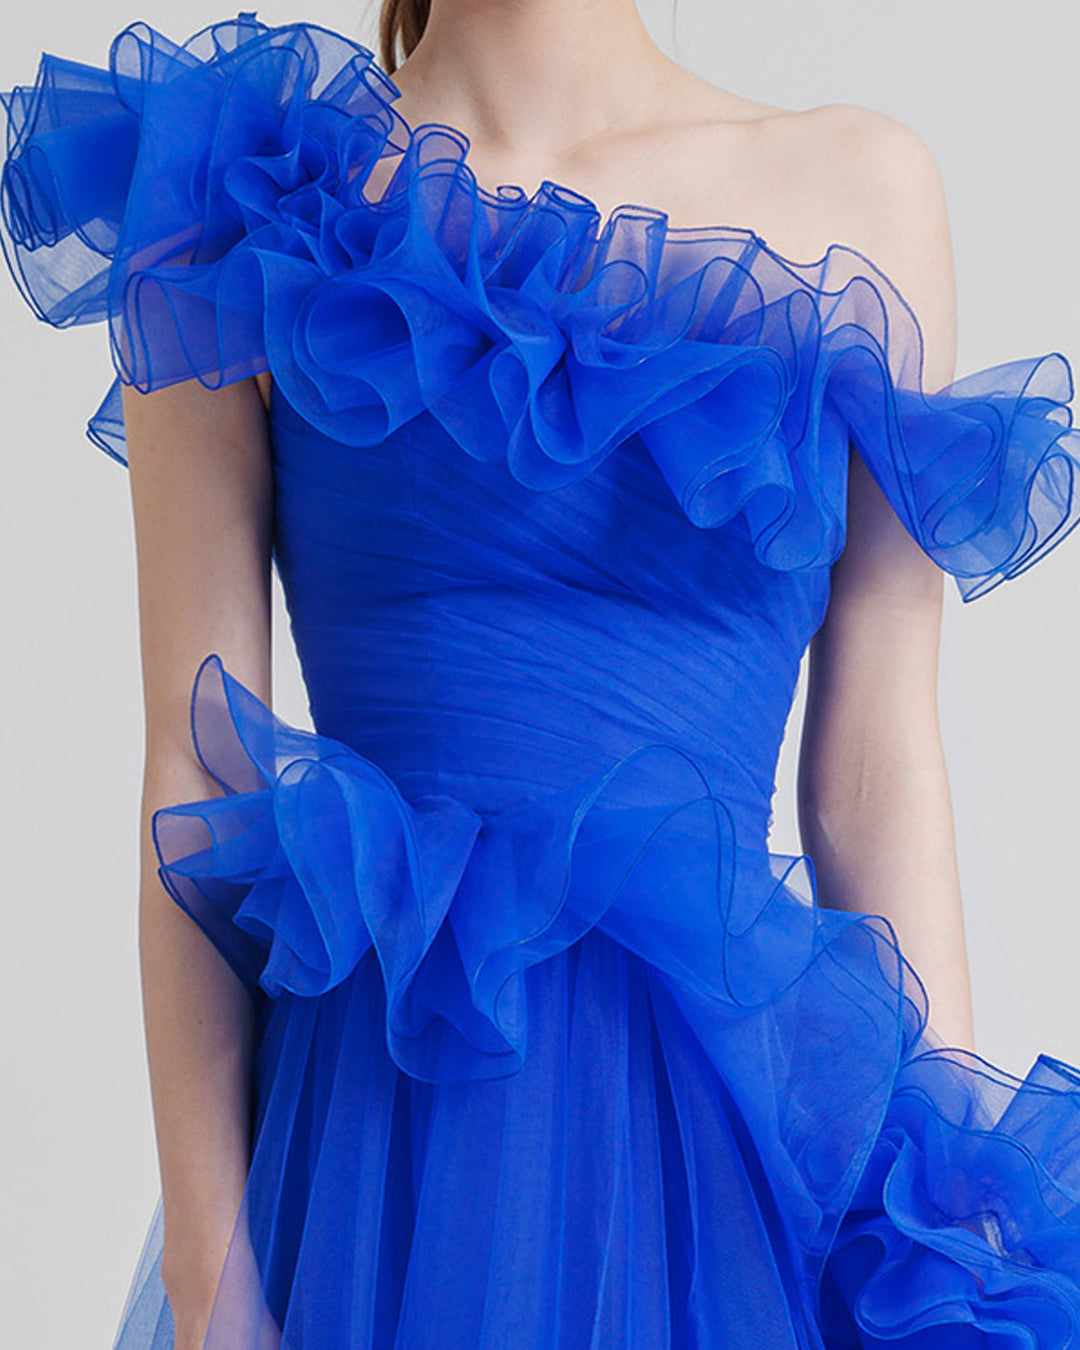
(548, 1058)
(211, 201)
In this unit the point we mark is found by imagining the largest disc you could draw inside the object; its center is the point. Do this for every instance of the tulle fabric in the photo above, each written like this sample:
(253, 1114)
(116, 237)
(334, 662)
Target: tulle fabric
(918, 1193)
(211, 201)
(548, 1058)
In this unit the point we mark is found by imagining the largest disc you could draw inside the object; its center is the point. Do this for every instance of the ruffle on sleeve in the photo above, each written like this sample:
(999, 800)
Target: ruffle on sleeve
(210, 201)
(984, 472)
(114, 200)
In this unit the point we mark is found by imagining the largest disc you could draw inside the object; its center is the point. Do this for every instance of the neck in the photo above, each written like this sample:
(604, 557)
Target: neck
(534, 77)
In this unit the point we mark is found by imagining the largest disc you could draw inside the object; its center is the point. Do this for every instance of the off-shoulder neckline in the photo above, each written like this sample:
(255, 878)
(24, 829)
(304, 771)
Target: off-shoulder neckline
(602, 230)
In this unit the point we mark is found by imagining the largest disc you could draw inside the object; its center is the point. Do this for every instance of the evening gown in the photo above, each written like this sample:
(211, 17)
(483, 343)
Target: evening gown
(553, 1052)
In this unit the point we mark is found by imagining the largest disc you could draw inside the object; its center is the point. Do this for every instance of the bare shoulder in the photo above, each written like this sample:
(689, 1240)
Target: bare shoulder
(889, 198)
(881, 177)
(842, 173)
(882, 193)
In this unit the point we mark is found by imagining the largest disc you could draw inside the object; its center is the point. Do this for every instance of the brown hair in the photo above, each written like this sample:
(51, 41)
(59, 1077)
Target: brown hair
(400, 21)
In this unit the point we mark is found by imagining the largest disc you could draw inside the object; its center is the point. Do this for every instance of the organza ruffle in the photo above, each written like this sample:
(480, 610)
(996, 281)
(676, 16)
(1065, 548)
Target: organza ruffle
(211, 200)
(918, 1186)
(964, 1223)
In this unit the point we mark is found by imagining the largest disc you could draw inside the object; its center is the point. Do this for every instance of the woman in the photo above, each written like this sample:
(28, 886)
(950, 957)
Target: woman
(483, 1017)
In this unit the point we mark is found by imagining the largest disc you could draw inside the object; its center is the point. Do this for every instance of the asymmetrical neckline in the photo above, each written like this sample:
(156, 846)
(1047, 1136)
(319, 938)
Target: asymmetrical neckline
(556, 194)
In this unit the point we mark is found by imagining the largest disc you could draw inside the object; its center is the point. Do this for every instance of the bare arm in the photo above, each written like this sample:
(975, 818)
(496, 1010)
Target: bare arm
(201, 494)
(875, 810)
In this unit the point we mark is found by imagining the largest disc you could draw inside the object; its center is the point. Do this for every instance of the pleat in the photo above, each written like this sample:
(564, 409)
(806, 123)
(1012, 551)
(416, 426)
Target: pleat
(736, 1242)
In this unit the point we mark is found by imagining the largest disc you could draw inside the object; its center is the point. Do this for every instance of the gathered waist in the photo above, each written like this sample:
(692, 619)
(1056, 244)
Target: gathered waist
(496, 698)
(314, 856)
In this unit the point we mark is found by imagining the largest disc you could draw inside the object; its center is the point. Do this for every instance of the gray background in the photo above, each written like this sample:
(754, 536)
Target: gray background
(992, 87)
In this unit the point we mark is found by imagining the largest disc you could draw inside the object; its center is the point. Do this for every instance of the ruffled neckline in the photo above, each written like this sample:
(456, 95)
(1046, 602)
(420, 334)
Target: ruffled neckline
(207, 199)
(551, 193)
(420, 143)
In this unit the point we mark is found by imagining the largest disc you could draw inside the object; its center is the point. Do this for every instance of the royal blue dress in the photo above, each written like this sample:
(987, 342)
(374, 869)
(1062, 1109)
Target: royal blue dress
(553, 1053)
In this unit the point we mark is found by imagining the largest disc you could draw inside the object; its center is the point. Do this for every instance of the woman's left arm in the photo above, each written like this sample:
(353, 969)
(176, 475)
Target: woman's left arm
(874, 804)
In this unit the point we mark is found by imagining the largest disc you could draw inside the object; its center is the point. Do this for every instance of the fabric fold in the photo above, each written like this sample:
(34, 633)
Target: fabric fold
(965, 1221)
